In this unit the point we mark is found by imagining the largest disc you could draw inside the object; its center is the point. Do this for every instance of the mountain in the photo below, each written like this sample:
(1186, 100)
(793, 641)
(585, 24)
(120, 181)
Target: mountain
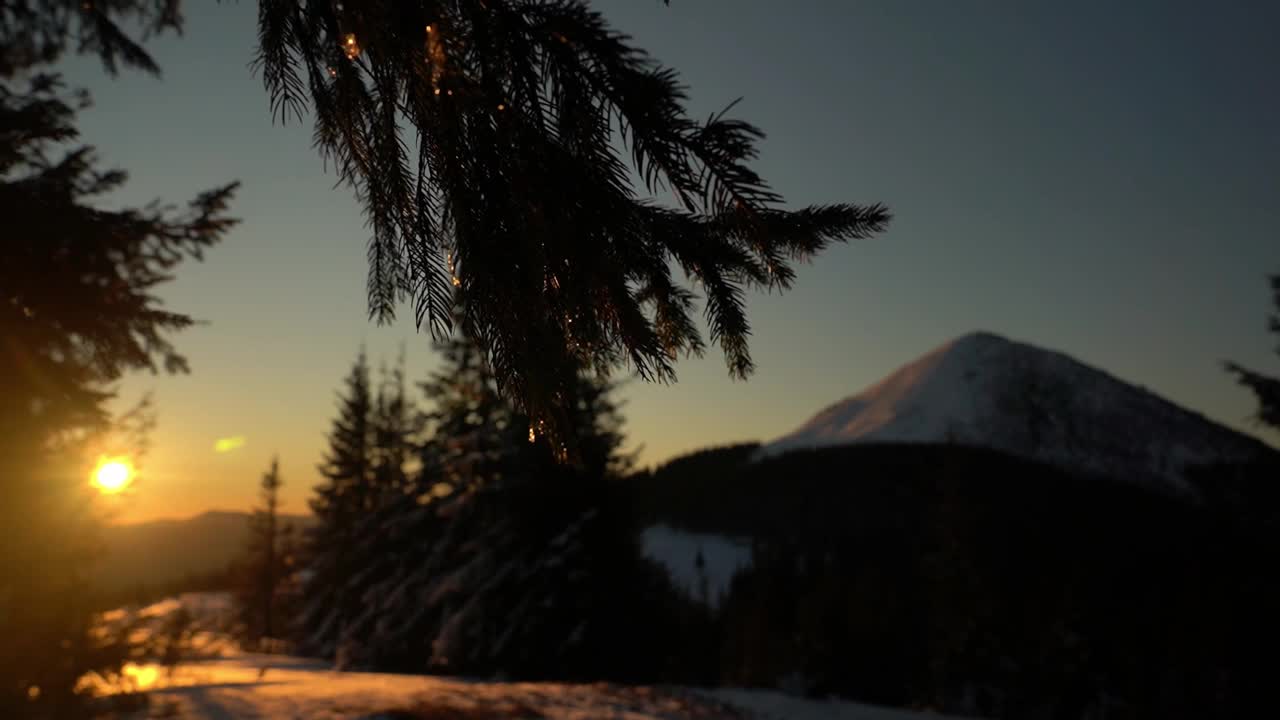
(984, 390)
(165, 551)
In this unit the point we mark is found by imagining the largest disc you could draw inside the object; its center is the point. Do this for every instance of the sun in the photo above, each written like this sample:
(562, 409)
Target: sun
(112, 475)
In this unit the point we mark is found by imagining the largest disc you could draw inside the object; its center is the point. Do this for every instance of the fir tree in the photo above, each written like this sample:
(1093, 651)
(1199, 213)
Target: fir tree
(598, 424)
(463, 442)
(1264, 387)
(379, 540)
(472, 433)
(338, 504)
(347, 465)
(267, 563)
(516, 188)
(77, 312)
(38, 32)
(394, 431)
(502, 558)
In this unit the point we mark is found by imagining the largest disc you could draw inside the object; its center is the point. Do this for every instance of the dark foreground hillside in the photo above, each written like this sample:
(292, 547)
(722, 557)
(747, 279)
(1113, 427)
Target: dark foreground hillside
(972, 581)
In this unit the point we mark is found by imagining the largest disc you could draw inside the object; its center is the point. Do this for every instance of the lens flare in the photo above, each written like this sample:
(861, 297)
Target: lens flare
(227, 444)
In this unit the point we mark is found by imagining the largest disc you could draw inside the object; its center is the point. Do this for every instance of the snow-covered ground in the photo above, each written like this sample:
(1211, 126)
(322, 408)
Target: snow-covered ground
(223, 683)
(227, 684)
(679, 552)
(205, 628)
(285, 688)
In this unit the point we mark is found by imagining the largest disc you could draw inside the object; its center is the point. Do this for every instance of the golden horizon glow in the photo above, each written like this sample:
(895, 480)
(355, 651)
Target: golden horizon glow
(112, 475)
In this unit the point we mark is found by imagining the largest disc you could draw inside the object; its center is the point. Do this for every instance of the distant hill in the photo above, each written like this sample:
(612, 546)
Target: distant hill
(165, 551)
(982, 390)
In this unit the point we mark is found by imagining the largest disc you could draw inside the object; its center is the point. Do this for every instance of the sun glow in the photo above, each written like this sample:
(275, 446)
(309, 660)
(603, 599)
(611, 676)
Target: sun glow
(140, 677)
(112, 475)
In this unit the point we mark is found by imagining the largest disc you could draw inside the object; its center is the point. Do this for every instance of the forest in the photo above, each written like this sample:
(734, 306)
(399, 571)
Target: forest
(940, 576)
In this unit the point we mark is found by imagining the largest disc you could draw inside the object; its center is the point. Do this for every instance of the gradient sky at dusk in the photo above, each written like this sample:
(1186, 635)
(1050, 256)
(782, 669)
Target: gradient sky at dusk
(1094, 177)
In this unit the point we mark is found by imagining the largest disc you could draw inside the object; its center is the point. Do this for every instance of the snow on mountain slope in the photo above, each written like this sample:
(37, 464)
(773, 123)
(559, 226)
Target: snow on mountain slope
(984, 390)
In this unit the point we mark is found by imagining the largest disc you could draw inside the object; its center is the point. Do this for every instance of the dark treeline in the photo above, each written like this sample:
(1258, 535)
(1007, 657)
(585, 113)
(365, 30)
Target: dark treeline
(969, 581)
(451, 536)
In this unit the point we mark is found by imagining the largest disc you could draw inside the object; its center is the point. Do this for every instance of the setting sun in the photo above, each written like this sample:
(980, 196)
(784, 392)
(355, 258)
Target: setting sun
(112, 475)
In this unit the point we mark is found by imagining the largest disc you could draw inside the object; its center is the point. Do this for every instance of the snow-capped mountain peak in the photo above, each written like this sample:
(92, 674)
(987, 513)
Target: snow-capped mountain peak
(984, 390)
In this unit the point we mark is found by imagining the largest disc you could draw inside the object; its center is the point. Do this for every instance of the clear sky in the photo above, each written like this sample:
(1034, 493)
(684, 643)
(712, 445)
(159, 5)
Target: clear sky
(1094, 177)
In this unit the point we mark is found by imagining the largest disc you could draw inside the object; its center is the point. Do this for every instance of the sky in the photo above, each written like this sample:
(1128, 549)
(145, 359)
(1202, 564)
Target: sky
(1093, 177)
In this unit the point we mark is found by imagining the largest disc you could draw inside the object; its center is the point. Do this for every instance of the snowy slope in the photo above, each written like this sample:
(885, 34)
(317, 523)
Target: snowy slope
(702, 565)
(984, 390)
(230, 685)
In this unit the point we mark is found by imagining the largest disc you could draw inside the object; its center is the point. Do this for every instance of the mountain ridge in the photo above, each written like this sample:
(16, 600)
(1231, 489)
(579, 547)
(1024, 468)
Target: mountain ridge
(156, 552)
(206, 515)
(985, 390)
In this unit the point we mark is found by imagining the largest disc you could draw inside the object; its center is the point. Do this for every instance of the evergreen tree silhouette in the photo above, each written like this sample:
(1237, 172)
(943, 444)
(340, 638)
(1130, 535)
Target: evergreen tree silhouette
(381, 534)
(265, 562)
(39, 32)
(487, 561)
(1264, 387)
(496, 147)
(394, 431)
(338, 504)
(77, 312)
(471, 433)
